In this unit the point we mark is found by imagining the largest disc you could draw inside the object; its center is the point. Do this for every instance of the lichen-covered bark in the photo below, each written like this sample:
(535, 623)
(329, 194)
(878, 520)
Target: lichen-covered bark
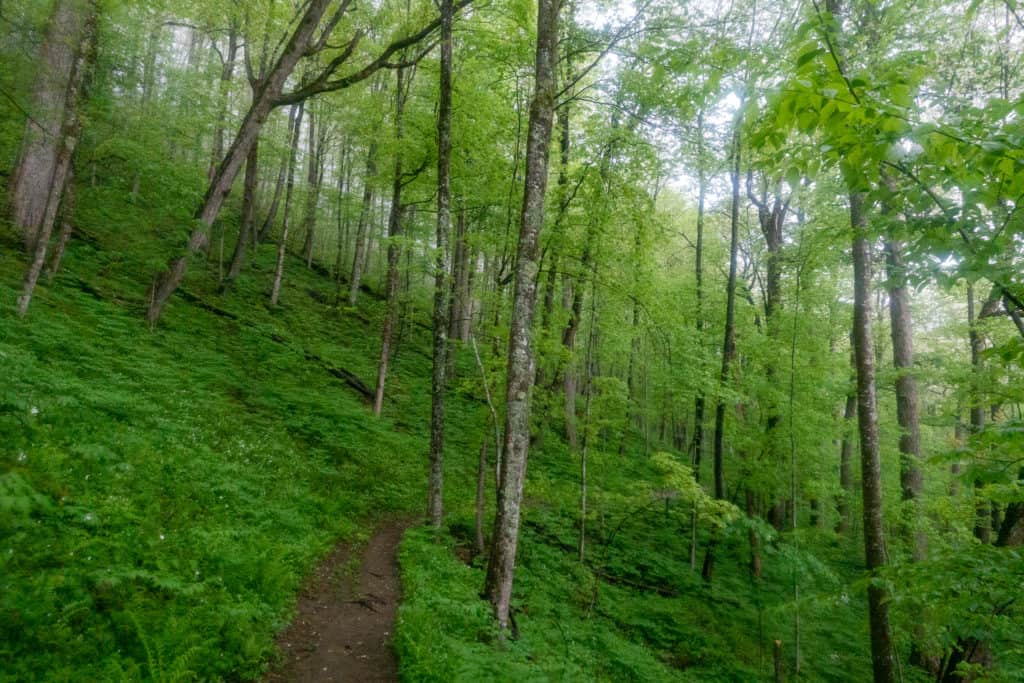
(33, 178)
(521, 362)
(907, 412)
(61, 172)
(442, 267)
(870, 459)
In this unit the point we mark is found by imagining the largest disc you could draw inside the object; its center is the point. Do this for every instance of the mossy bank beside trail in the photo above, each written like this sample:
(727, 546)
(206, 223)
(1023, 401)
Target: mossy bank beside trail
(511, 340)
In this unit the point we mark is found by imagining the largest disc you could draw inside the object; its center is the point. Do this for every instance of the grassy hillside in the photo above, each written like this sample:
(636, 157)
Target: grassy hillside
(164, 492)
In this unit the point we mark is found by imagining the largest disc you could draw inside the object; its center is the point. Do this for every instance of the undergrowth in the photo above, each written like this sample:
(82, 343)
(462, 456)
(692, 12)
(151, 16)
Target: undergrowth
(164, 492)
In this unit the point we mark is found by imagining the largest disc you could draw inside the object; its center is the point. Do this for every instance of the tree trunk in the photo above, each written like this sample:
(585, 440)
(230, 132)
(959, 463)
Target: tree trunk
(66, 226)
(282, 175)
(461, 305)
(846, 491)
(70, 131)
(358, 259)
(245, 230)
(394, 250)
(34, 182)
(282, 245)
(263, 100)
(698, 402)
(227, 73)
(871, 468)
(481, 492)
(728, 346)
(911, 476)
(341, 212)
(441, 271)
(313, 175)
(983, 513)
(584, 452)
(521, 363)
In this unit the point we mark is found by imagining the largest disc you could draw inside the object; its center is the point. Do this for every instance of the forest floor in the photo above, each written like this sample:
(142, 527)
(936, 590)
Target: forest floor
(345, 616)
(168, 498)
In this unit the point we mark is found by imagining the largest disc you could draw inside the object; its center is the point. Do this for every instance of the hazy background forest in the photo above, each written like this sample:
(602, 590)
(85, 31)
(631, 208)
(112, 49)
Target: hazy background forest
(742, 282)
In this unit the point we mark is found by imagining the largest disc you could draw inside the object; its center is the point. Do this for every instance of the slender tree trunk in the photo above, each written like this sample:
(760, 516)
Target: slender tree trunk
(959, 439)
(983, 513)
(846, 491)
(461, 308)
(264, 96)
(66, 226)
(634, 348)
(245, 230)
(340, 213)
(728, 346)
(521, 363)
(227, 73)
(282, 245)
(34, 178)
(363, 228)
(481, 493)
(584, 452)
(441, 271)
(911, 476)
(313, 175)
(70, 131)
(282, 174)
(394, 252)
(698, 402)
(871, 468)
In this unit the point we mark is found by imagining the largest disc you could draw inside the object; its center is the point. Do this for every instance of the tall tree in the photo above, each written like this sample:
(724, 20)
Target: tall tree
(282, 245)
(314, 176)
(35, 158)
(728, 343)
(363, 227)
(907, 411)
(521, 363)
(39, 176)
(870, 457)
(442, 266)
(394, 248)
(983, 512)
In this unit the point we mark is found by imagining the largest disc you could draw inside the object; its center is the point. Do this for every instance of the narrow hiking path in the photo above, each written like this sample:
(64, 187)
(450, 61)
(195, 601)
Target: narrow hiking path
(345, 617)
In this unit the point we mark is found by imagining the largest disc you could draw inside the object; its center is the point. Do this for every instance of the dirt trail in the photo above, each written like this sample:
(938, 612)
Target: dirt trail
(346, 619)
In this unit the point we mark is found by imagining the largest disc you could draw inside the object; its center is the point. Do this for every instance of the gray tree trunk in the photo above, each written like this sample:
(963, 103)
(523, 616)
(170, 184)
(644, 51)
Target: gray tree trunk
(983, 513)
(282, 245)
(394, 249)
(698, 401)
(245, 230)
(728, 348)
(34, 174)
(227, 73)
(870, 459)
(442, 266)
(363, 227)
(846, 491)
(313, 174)
(275, 202)
(521, 362)
(907, 413)
(70, 130)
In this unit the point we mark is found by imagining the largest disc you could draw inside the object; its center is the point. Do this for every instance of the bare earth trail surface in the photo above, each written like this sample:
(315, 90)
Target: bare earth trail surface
(345, 617)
